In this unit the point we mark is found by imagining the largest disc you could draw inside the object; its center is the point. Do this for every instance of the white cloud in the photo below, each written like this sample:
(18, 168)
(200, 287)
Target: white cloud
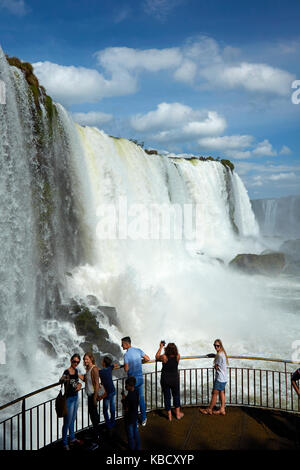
(268, 174)
(175, 121)
(200, 62)
(92, 118)
(264, 149)
(186, 72)
(252, 77)
(16, 7)
(241, 147)
(257, 180)
(232, 142)
(73, 85)
(285, 150)
(238, 154)
(282, 176)
(114, 59)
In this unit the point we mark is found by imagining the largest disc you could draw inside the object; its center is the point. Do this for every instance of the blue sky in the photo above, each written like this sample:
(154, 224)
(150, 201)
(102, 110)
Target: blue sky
(186, 76)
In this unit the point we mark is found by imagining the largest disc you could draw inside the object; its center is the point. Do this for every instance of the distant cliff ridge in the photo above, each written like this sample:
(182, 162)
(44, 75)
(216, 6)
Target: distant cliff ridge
(278, 216)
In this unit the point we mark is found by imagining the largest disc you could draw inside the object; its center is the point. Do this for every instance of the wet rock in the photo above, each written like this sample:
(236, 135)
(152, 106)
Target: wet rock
(291, 249)
(111, 314)
(92, 300)
(47, 347)
(270, 263)
(86, 325)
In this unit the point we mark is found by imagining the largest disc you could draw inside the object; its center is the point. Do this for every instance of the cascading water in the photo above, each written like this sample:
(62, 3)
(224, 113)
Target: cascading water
(38, 218)
(278, 217)
(77, 212)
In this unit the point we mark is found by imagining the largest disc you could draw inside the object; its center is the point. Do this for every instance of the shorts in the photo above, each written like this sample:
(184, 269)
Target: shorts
(220, 386)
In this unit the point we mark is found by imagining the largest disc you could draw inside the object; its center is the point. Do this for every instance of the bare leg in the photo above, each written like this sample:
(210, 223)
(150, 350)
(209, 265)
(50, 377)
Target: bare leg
(170, 415)
(208, 411)
(179, 415)
(221, 411)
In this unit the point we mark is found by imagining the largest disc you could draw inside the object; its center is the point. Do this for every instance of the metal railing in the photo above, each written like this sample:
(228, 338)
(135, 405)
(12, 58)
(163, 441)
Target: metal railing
(38, 426)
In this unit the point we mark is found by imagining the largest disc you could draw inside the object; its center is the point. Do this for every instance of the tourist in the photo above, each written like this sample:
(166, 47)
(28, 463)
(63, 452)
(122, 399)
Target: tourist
(133, 359)
(91, 379)
(220, 365)
(130, 404)
(296, 378)
(110, 391)
(70, 379)
(170, 377)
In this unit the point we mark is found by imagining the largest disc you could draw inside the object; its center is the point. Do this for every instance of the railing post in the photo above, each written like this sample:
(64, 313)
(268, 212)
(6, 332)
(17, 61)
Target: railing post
(286, 387)
(156, 384)
(23, 425)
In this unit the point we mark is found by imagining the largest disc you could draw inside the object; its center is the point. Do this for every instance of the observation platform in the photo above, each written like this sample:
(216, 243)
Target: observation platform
(242, 428)
(262, 413)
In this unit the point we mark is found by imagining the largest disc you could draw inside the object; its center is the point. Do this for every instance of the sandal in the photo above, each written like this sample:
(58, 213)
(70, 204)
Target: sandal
(205, 411)
(219, 412)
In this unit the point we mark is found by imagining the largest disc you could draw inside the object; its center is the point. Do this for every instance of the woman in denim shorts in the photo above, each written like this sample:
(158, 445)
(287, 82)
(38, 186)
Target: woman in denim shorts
(221, 378)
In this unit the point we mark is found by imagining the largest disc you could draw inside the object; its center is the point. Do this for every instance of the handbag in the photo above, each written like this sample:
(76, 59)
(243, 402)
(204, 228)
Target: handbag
(101, 391)
(61, 405)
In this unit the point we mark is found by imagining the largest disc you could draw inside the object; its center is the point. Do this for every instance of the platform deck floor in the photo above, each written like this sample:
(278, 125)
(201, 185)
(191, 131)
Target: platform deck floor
(241, 429)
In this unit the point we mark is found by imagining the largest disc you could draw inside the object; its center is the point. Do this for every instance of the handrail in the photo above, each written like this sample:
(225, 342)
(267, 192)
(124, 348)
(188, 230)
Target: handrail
(248, 385)
(40, 390)
(152, 361)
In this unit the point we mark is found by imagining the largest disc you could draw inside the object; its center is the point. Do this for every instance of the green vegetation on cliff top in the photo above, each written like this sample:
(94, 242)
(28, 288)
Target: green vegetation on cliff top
(38, 91)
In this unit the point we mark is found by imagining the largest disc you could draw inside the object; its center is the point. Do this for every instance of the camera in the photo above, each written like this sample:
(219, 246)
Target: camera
(163, 342)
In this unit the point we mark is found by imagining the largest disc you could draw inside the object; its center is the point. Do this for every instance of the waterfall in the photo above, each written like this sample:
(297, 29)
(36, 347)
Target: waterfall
(76, 214)
(40, 228)
(278, 217)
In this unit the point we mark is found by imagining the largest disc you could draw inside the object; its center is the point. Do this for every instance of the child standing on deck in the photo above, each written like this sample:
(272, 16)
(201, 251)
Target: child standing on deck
(110, 391)
(131, 404)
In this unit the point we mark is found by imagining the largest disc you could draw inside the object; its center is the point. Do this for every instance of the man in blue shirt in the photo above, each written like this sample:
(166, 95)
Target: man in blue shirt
(133, 359)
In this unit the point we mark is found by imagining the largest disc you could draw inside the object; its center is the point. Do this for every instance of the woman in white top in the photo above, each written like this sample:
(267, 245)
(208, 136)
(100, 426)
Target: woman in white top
(221, 378)
(91, 379)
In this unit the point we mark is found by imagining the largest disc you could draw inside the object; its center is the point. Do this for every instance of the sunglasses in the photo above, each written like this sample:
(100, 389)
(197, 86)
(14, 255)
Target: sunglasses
(217, 345)
(75, 362)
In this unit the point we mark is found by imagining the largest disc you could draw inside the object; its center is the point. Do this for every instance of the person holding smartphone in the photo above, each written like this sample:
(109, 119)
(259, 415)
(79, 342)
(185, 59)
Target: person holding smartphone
(170, 377)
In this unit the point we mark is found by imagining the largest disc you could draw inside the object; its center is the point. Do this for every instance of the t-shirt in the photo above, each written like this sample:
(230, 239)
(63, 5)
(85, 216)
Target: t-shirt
(106, 379)
(131, 403)
(133, 357)
(71, 385)
(221, 373)
(296, 375)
